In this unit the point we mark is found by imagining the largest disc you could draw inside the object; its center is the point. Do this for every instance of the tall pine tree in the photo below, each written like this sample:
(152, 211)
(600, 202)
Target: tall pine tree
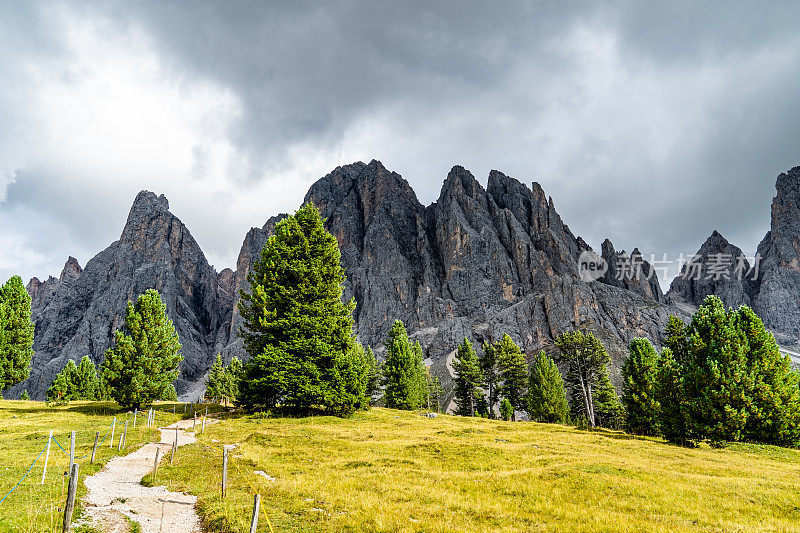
(585, 359)
(16, 333)
(143, 364)
(403, 372)
(513, 373)
(608, 410)
(297, 330)
(546, 399)
(491, 375)
(639, 389)
(467, 377)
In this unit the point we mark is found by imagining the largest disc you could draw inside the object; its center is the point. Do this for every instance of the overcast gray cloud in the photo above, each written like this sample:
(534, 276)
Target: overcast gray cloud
(648, 123)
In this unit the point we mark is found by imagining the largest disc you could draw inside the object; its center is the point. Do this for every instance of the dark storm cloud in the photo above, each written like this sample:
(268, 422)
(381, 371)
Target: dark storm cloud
(649, 123)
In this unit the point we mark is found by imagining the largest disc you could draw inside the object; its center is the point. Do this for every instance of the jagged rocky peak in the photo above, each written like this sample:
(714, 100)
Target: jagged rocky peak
(718, 268)
(71, 271)
(778, 293)
(631, 272)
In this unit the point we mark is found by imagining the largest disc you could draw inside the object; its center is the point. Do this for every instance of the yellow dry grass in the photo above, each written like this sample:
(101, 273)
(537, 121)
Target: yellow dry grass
(387, 470)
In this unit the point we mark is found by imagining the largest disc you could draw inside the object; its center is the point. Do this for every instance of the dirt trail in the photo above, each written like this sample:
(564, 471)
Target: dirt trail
(116, 491)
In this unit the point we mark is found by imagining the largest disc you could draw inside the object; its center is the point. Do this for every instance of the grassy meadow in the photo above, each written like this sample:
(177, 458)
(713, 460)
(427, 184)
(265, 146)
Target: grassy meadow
(24, 428)
(387, 470)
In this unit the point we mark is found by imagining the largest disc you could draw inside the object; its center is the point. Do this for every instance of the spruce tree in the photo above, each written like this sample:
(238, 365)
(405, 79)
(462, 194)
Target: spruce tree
(16, 333)
(215, 382)
(585, 359)
(59, 391)
(639, 388)
(674, 422)
(506, 410)
(466, 377)
(403, 371)
(716, 374)
(297, 330)
(675, 338)
(86, 381)
(233, 377)
(435, 392)
(491, 375)
(546, 399)
(143, 364)
(25, 396)
(774, 414)
(608, 410)
(513, 372)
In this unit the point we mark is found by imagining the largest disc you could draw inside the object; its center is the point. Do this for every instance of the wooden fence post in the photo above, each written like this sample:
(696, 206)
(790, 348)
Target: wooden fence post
(155, 464)
(122, 438)
(224, 470)
(194, 424)
(94, 450)
(46, 457)
(71, 490)
(135, 412)
(203, 428)
(254, 520)
(113, 427)
(71, 449)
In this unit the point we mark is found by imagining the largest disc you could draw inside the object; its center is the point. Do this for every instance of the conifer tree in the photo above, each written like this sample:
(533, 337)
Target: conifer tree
(86, 381)
(234, 373)
(585, 359)
(674, 422)
(608, 410)
(297, 330)
(435, 392)
(513, 372)
(491, 375)
(675, 338)
(143, 364)
(506, 410)
(467, 377)
(403, 371)
(16, 333)
(546, 399)
(58, 393)
(215, 382)
(25, 395)
(639, 389)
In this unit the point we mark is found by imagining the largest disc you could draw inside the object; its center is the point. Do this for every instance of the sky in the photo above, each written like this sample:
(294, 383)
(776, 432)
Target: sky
(650, 124)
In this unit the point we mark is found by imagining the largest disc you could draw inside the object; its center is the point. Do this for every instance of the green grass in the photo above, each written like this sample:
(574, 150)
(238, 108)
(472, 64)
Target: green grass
(24, 427)
(388, 470)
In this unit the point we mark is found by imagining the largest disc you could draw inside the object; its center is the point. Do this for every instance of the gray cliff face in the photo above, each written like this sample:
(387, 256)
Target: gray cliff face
(77, 314)
(777, 299)
(630, 272)
(732, 282)
(477, 263)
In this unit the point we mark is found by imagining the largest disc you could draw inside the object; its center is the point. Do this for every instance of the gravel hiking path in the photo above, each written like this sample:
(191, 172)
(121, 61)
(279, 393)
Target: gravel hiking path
(116, 491)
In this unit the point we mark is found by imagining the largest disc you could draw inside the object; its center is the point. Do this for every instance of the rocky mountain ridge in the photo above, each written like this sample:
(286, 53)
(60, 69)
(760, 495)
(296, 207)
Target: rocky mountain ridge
(476, 263)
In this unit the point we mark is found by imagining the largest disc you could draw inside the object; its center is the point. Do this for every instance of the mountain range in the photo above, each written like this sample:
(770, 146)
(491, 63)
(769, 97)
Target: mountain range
(477, 263)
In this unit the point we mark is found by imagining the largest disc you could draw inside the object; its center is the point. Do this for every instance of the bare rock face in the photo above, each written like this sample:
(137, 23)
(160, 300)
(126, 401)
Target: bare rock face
(718, 268)
(777, 299)
(77, 314)
(477, 263)
(630, 272)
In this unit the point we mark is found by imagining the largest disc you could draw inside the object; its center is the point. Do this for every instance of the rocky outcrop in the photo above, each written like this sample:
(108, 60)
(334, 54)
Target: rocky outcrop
(630, 272)
(77, 314)
(477, 263)
(777, 297)
(718, 268)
